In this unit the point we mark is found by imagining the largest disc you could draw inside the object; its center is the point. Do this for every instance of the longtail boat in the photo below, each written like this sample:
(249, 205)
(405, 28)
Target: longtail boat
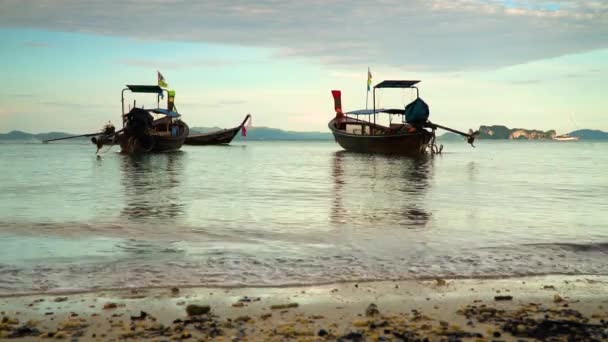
(566, 137)
(413, 134)
(144, 130)
(220, 137)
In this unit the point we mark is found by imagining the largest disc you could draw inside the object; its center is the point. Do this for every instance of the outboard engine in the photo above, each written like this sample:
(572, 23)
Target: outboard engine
(105, 137)
(138, 123)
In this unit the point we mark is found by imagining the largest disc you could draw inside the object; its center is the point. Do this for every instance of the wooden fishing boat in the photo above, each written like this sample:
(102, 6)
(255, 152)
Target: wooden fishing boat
(565, 137)
(147, 130)
(221, 137)
(412, 135)
(143, 130)
(362, 136)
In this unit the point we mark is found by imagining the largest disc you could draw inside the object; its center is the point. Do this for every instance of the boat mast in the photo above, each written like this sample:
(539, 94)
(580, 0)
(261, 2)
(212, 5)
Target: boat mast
(366, 98)
(122, 101)
(374, 100)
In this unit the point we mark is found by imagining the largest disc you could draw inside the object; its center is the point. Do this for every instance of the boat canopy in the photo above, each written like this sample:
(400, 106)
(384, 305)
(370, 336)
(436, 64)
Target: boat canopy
(166, 112)
(372, 112)
(152, 89)
(395, 84)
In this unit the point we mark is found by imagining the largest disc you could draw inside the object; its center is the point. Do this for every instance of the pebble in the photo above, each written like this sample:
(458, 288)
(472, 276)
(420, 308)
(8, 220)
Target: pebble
(372, 310)
(108, 306)
(195, 310)
(284, 306)
(243, 319)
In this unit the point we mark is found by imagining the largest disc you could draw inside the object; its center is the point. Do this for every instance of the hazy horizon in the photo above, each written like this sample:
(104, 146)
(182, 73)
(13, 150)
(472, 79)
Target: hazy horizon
(441, 132)
(528, 64)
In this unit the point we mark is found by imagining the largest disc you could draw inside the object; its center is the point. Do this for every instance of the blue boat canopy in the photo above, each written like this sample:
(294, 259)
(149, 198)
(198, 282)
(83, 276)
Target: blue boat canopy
(166, 112)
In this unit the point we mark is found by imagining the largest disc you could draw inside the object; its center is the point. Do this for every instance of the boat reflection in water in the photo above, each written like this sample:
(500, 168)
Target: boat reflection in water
(375, 190)
(151, 184)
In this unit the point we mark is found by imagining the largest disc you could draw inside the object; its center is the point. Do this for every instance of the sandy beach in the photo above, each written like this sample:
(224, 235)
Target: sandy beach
(442, 309)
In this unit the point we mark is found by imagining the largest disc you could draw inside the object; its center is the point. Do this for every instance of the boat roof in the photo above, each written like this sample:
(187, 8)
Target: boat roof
(165, 112)
(371, 111)
(395, 84)
(153, 89)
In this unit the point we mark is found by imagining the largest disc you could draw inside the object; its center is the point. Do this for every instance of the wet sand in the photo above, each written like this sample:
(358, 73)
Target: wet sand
(443, 309)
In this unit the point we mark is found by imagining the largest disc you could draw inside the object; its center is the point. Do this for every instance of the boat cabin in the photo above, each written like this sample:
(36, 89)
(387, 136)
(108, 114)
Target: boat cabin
(156, 121)
(412, 117)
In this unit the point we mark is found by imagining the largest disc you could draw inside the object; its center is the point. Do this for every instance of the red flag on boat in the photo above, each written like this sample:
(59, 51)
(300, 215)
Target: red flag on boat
(337, 102)
(247, 127)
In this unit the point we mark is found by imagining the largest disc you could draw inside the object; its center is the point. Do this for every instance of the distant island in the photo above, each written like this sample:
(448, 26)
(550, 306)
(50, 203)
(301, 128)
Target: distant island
(494, 132)
(499, 132)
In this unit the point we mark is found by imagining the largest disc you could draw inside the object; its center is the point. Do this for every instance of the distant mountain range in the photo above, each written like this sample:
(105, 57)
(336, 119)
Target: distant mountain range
(267, 133)
(495, 132)
(30, 137)
(590, 134)
(254, 133)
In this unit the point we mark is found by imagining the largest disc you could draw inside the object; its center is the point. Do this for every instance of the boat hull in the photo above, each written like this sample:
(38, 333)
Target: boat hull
(566, 139)
(222, 137)
(130, 144)
(398, 143)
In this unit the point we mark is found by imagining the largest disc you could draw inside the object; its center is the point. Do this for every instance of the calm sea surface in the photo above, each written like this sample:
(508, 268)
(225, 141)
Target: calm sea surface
(285, 213)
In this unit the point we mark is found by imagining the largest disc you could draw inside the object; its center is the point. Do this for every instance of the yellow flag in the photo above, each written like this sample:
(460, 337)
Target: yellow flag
(161, 80)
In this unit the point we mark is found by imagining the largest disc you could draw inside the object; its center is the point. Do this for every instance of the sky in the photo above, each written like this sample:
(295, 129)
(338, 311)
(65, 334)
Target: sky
(526, 64)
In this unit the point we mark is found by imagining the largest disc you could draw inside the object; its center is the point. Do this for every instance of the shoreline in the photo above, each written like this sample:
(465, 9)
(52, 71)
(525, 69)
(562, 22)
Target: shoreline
(439, 309)
(69, 292)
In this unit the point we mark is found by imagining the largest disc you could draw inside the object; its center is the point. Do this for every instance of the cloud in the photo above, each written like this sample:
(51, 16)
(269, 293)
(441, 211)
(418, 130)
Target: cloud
(19, 96)
(72, 105)
(216, 104)
(555, 77)
(37, 45)
(416, 35)
(183, 64)
(8, 111)
(524, 82)
(232, 102)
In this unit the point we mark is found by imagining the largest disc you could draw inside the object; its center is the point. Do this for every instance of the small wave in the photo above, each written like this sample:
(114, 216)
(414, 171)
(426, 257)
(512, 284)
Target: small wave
(233, 269)
(574, 247)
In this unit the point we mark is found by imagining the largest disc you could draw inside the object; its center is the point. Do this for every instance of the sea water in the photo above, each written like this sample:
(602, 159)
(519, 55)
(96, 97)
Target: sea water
(288, 213)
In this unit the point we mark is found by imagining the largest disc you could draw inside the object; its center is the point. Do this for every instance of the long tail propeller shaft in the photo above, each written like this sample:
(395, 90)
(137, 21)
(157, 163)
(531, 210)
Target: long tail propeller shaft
(107, 130)
(72, 137)
(470, 136)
